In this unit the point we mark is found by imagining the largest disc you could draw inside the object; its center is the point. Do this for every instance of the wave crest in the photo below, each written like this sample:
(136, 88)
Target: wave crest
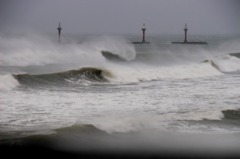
(227, 63)
(8, 82)
(117, 46)
(68, 77)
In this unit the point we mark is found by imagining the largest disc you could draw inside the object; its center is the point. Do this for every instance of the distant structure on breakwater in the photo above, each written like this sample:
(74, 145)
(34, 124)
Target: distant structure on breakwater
(189, 42)
(143, 37)
(59, 32)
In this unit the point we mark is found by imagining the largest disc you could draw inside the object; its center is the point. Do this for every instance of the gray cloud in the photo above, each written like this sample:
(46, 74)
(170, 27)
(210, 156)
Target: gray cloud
(121, 16)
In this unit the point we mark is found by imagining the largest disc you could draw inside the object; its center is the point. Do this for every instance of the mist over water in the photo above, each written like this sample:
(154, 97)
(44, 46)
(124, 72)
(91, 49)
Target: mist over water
(39, 54)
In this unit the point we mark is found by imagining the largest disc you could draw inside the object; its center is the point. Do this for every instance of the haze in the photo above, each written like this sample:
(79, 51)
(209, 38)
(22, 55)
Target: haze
(120, 16)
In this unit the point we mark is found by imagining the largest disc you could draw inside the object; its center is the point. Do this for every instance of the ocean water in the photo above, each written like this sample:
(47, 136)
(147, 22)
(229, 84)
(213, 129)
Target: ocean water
(157, 98)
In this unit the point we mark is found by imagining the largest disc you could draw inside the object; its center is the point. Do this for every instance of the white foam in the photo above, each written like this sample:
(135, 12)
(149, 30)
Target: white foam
(7, 82)
(143, 122)
(121, 124)
(227, 63)
(197, 116)
(139, 72)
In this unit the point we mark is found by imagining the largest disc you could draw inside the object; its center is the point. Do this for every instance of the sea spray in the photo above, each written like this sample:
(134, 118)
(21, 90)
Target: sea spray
(7, 82)
(39, 51)
(42, 51)
(116, 45)
(227, 63)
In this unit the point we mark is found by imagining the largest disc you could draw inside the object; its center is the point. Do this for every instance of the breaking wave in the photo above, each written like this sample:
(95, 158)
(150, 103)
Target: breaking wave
(98, 60)
(68, 77)
(118, 74)
(227, 63)
(8, 82)
(120, 47)
(127, 73)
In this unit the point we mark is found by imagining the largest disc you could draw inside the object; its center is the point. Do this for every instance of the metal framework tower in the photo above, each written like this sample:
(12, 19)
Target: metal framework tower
(143, 32)
(185, 30)
(59, 32)
(190, 42)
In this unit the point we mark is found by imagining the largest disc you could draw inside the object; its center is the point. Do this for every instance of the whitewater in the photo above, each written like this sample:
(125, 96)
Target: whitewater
(148, 98)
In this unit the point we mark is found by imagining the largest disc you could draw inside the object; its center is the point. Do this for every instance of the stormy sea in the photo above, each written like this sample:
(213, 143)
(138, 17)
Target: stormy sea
(103, 96)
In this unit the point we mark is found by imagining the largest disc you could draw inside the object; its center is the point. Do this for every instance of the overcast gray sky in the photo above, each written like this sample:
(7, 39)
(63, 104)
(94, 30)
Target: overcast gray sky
(121, 16)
